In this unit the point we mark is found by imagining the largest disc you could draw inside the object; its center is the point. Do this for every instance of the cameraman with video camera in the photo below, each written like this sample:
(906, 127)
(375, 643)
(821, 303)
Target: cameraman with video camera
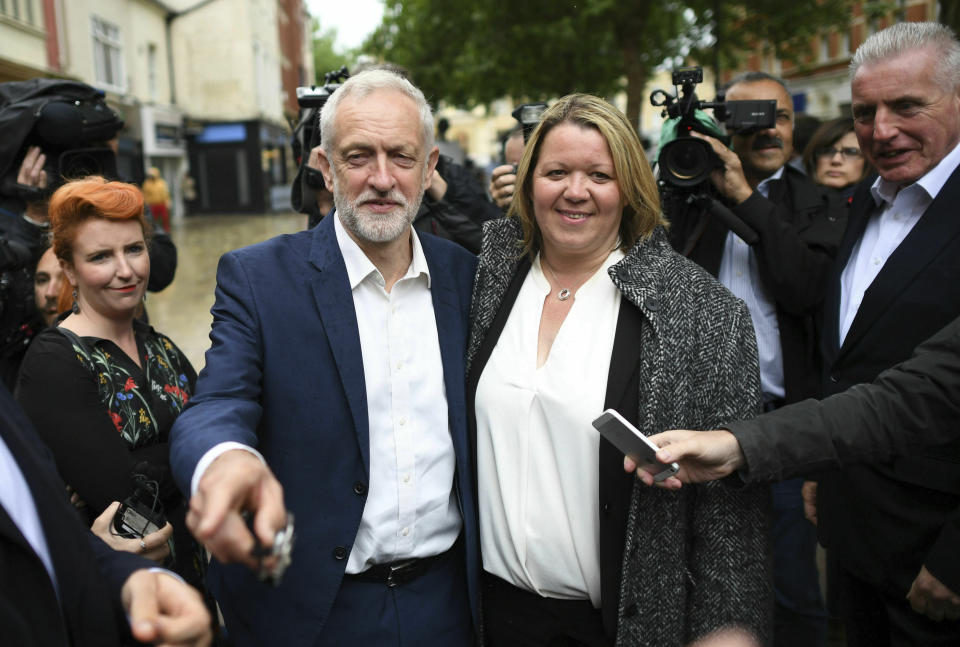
(769, 234)
(50, 130)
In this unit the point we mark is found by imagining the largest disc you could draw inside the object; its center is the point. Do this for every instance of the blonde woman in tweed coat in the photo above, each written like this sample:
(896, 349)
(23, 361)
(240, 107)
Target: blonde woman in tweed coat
(580, 305)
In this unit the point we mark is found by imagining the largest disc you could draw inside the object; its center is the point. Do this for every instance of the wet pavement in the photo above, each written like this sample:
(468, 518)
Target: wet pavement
(182, 311)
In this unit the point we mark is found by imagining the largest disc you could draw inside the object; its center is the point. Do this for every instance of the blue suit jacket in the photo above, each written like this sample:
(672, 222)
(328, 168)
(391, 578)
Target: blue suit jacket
(284, 374)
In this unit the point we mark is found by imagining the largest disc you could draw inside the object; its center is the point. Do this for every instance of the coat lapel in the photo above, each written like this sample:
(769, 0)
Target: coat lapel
(936, 228)
(334, 300)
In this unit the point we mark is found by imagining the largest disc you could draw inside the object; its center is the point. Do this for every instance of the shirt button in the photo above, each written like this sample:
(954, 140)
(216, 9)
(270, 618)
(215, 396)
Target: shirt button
(340, 553)
(402, 421)
(406, 478)
(399, 365)
(405, 532)
(739, 273)
(360, 487)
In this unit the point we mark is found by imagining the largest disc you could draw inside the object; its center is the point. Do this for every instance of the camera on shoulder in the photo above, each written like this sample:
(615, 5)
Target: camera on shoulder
(685, 161)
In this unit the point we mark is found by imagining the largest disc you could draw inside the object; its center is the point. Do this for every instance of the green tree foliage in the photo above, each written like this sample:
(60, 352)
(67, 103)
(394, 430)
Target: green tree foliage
(473, 53)
(325, 55)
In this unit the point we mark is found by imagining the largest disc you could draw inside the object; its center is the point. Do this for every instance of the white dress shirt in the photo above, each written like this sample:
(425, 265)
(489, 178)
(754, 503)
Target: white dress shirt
(537, 453)
(898, 211)
(411, 509)
(740, 273)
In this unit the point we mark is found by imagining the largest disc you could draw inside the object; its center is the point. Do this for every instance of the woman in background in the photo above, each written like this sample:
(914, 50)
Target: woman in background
(101, 387)
(833, 157)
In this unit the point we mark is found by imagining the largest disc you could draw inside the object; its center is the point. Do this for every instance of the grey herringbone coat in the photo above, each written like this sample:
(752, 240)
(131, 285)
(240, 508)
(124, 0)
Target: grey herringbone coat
(695, 559)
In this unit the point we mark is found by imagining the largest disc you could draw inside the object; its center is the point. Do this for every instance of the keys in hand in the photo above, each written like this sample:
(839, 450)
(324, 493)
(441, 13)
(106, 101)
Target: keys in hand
(274, 561)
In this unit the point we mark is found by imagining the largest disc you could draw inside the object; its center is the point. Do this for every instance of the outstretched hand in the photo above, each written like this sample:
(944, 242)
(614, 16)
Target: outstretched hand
(237, 481)
(702, 456)
(165, 611)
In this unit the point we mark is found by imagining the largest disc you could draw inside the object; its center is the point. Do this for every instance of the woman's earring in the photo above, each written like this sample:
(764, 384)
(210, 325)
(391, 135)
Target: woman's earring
(76, 306)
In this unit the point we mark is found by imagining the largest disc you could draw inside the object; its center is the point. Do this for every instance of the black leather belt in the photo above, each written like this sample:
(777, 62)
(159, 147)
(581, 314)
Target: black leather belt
(397, 573)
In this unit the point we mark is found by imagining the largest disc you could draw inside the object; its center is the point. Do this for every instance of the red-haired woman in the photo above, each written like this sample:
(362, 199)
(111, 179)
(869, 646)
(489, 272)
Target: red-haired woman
(101, 387)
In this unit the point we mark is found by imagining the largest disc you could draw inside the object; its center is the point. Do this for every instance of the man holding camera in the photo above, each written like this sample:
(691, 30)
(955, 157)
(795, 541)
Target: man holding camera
(781, 276)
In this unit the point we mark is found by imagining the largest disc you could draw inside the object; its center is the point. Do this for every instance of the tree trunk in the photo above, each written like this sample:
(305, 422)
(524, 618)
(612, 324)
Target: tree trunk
(637, 75)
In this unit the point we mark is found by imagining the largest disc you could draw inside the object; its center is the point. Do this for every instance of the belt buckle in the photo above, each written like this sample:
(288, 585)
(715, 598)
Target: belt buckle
(397, 569)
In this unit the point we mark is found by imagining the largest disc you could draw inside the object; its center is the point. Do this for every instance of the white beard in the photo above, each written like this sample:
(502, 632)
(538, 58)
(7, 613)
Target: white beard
(372, 227)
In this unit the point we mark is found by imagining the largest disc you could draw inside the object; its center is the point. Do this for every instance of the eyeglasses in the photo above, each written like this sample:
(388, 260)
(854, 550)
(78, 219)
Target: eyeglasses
(846, 153)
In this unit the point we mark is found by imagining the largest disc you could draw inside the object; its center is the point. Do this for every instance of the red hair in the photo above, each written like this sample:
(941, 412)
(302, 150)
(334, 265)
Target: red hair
(78, 201)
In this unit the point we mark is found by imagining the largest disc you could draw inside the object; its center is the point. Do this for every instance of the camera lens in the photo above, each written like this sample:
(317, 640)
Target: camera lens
(686, 161)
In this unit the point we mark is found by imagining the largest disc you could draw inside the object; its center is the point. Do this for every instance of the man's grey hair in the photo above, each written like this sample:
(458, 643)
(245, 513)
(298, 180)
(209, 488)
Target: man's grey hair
(754, 77)
(363, 84)
(905, 37)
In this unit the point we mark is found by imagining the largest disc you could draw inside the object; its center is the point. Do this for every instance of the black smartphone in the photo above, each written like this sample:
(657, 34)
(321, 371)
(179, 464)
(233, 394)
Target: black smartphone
(634, 444)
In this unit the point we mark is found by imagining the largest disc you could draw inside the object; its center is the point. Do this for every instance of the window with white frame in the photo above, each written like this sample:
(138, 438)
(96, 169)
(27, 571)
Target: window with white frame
(107, 53)
(152, 70)
(22, 10)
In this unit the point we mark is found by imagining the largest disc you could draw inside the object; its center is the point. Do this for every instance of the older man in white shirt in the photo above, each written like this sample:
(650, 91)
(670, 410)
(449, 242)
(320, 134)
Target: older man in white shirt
(893, 527)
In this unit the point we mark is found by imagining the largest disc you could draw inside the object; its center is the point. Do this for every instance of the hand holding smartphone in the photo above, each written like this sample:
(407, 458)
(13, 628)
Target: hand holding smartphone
(634, 444)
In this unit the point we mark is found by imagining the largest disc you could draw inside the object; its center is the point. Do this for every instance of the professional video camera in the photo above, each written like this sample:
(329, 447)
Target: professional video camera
(686, 162)
(68, 120)
(306, 136)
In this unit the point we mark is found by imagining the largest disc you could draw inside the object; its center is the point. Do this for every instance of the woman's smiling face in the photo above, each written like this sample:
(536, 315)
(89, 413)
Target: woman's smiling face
(576, 196)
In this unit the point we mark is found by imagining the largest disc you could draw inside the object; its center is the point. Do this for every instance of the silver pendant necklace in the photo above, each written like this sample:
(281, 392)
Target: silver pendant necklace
(564, 293)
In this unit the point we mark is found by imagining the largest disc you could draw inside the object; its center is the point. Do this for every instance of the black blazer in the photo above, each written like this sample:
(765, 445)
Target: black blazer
(623, 388)
(886, 520)
(89, 574)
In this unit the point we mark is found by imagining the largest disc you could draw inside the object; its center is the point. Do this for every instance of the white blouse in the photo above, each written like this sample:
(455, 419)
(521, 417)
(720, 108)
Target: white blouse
(537, 453)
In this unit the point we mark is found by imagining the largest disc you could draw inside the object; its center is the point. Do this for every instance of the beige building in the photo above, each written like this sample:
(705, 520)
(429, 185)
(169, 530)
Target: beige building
(228, 63)
(24, 36)
(121, 47)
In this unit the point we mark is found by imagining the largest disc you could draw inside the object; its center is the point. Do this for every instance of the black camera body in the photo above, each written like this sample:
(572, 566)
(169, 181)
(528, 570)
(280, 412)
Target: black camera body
(141, 513)
(69, 121)
(306, 136)
(686, 162)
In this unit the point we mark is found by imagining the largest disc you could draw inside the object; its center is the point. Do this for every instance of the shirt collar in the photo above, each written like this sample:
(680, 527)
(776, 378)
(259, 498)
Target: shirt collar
(931, 183)
(764, 187)
(359, 267)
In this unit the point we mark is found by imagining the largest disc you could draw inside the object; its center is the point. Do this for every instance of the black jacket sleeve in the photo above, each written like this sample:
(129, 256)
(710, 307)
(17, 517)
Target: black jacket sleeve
(796, 246)
(910, 407)
(465, 194)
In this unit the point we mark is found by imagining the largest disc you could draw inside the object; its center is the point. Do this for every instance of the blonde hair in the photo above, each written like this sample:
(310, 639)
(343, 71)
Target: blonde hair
(638, 188)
